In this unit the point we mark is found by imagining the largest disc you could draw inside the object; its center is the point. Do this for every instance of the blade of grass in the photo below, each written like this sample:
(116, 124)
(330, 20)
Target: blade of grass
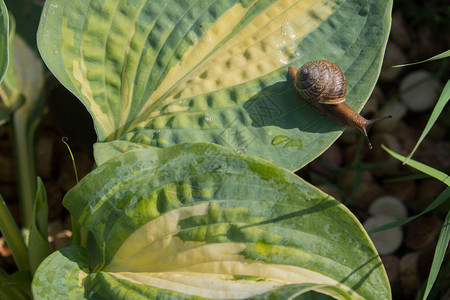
(13, 237)
(408, 178)
(442, 55)
(421, 167)
(439, 254)
(444, 236)
(64, 140)
(440, 285)
(444, 196)
(443, 100)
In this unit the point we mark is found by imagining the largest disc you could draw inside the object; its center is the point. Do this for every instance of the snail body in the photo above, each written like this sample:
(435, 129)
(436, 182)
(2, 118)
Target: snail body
(322, 85)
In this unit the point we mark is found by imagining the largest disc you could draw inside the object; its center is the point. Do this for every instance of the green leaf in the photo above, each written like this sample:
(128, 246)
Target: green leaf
(60, 276)
(25, 75)
(38, 237)
(4, 39)
(9, 92)
(10, 231)
(27, 14)
(200, 220)
(302, 292)
(167, 72)
(21, 93)
(15, 286)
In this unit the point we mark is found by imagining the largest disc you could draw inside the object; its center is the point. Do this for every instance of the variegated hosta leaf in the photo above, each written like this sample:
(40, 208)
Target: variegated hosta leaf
(165, 72)
(4, 39)
(204, 221)
(24, 78)
(66, 280)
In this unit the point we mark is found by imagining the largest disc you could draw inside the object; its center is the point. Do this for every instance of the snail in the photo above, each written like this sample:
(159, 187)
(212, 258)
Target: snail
(322, 85)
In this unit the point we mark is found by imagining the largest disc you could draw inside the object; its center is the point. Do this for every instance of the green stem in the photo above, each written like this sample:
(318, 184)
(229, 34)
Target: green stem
(10, 292)
(23, 144)
(77, 235)
(13, 237)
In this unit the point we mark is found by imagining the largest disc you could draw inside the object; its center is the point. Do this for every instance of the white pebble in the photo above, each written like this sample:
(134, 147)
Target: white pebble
(419, 91)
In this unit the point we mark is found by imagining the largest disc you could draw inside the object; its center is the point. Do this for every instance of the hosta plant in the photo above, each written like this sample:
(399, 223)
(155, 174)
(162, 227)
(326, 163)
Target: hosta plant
(160, 73)
(200, 220)
(199, 131)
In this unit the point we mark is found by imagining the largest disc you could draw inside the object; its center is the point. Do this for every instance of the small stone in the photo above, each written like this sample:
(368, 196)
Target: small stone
(419, 91)
(387, 241)
(389, 206)
(414, 267)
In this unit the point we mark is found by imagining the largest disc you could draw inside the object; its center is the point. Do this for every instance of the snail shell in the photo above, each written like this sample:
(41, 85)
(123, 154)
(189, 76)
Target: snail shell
(322, 85)
(320, 81)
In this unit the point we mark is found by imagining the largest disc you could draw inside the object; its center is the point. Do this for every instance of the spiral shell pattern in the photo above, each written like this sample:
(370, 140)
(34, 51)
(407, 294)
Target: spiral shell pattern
(321, 81)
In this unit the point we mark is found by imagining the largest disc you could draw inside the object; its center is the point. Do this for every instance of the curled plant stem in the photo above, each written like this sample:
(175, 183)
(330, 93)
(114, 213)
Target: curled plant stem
(64, 140)
(76, 230)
